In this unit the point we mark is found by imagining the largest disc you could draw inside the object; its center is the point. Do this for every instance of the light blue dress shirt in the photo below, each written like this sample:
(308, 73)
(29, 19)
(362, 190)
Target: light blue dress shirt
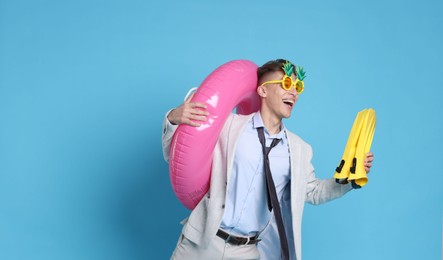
(246, 210)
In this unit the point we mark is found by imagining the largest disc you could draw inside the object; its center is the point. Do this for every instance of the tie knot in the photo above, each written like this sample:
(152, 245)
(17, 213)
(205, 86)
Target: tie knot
(274, 142)
(261, 137)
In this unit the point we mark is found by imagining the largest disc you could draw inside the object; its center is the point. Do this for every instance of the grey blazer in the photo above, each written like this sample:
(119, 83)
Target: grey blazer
(202, 225)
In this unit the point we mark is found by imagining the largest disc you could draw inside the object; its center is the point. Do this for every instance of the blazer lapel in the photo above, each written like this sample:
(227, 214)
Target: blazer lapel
(236, 129)
(296, 176)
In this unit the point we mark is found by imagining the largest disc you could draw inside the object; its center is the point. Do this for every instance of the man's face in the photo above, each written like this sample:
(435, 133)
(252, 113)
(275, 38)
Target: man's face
(277, 101)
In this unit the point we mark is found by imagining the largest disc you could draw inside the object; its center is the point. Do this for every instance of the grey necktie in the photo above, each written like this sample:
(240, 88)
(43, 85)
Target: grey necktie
(272, 194)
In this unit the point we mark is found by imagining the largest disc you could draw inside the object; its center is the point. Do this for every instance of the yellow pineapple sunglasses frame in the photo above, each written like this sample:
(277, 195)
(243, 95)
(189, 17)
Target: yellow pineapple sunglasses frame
(287, 83)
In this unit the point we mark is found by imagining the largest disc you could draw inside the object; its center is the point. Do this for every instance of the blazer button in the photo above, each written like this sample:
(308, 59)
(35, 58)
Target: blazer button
(223, 206)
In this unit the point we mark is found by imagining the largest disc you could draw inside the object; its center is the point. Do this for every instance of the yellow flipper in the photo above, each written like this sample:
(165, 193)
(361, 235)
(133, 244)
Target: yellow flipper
(342, 171)
(351, 167)
(358, 175)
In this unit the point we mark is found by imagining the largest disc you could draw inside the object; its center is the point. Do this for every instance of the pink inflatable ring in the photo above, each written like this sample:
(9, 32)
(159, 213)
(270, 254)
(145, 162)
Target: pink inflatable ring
(232, 85)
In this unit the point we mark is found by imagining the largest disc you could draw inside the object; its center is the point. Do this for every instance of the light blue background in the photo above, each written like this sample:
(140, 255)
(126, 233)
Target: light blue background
(84, 86)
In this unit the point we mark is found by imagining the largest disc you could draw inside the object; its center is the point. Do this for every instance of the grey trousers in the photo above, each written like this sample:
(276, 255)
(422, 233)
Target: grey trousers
(218, 249)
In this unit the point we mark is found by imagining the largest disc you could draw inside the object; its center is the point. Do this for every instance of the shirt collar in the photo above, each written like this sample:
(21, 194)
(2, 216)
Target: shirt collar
(257, 122)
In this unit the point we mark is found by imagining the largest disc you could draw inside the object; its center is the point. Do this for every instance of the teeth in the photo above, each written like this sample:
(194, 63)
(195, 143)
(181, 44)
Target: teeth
(288, 101)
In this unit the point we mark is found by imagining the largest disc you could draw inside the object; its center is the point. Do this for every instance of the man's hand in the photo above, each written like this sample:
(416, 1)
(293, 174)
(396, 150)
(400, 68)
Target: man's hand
(368, 161)
(188, 111)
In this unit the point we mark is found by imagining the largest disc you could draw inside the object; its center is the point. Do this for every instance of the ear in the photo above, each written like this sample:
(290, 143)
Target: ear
(261, 91)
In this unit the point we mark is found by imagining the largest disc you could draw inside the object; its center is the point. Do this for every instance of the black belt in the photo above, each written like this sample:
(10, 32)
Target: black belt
(234, 240)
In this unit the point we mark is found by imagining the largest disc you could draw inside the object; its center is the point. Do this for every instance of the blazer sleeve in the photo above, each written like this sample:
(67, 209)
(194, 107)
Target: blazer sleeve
(167, 134)
(320, 191)
(169, 129)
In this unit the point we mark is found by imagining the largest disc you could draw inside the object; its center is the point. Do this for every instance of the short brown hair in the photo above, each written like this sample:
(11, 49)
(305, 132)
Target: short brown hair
(271, 66)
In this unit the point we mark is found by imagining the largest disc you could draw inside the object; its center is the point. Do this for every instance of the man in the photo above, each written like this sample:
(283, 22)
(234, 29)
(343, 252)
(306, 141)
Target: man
(239, 217)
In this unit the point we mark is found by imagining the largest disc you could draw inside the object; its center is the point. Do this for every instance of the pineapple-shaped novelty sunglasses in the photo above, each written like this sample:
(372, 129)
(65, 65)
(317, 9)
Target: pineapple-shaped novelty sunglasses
(287, 82)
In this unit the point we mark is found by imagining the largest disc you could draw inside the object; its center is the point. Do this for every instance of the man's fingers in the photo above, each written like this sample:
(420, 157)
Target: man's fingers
(197, 104)
(191, 118)
(196, 108)
(197, 117)
(188, 113)
(199, 112)
(369, 157)
(368, 161)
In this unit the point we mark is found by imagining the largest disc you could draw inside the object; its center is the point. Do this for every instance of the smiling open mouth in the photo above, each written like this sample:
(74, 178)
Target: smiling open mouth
(288, 102)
